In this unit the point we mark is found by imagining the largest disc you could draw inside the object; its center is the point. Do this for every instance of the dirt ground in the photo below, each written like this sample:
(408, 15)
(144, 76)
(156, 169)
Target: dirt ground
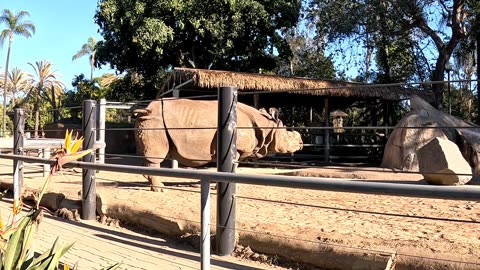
(331, 230)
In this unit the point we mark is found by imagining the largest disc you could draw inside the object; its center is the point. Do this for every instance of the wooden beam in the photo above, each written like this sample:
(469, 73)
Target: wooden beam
(326, 110)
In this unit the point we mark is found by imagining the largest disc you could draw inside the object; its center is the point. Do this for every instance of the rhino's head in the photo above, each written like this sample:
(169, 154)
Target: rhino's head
(285, 141)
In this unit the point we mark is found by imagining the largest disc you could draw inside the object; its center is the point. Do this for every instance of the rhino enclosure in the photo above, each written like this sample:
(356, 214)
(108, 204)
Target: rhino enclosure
(226, 177)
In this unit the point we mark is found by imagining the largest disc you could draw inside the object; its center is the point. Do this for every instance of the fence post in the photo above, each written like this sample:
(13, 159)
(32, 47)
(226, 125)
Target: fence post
(205, 225)
(326, 155)
(46, 167)
(88, 180)
(18, 130)
(226, 154)
(102, 109)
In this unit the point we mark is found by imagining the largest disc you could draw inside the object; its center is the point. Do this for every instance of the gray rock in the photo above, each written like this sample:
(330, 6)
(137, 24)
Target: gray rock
(440, 161)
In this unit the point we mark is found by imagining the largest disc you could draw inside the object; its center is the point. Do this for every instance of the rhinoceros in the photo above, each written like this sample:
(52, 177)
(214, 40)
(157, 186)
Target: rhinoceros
(185, 130)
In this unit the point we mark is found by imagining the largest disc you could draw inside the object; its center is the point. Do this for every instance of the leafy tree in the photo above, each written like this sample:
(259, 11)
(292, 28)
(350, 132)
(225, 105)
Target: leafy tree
(89, 89)
(46, 87)
(132, 86)
(147, 37)
(18, 81)
(15, 25)
(88, 49)
(307, 59)
(439, 25)
(474, 42)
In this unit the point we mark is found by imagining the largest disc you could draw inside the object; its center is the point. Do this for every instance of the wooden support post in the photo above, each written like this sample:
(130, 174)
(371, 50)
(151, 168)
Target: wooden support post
(89, 195)
(101, 123)
(386, 117)
(18, 130)
(205, 225)
(46, 167)
(226, 155)
(326, 109)
(256, 101)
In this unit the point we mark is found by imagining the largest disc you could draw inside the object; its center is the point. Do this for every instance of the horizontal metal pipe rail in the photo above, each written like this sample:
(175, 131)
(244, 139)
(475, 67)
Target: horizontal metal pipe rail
(43, 143)
(326, 184)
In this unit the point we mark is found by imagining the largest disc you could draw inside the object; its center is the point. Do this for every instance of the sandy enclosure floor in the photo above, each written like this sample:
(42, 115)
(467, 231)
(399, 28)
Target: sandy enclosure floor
(412, 227)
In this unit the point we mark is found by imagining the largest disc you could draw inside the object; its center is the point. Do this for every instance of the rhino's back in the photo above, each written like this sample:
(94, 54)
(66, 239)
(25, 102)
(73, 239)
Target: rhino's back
(191, 126)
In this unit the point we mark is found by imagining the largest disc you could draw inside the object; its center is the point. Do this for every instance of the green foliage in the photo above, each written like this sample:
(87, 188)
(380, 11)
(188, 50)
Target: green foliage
(308, 59)
(395, 30)
(88, 89)
(463, 103)
(45, 113)
(17, 238)
(15, 25)
(16, 250)
(9, 124)
(148, 37)
(134, 87)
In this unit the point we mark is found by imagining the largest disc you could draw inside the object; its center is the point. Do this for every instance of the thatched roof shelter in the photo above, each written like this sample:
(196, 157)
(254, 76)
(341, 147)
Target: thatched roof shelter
(200, 79)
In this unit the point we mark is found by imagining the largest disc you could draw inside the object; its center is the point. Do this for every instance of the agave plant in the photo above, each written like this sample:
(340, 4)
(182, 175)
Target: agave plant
(16, 238)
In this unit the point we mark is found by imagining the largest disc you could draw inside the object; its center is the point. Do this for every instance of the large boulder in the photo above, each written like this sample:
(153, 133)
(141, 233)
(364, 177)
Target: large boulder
(420, 126)
(185, 130)
(441, 163)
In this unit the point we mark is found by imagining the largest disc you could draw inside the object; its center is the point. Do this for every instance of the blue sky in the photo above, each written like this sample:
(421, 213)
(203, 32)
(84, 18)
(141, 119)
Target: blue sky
(62, 27)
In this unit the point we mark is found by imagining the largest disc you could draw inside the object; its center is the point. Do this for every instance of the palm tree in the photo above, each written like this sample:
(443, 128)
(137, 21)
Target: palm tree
(15, 26)
(88, 49)
(18, 81)
(46, 86)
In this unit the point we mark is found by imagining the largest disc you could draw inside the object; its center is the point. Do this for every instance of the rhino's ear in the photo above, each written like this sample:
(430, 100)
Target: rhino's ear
(274, 113)
(141, 112)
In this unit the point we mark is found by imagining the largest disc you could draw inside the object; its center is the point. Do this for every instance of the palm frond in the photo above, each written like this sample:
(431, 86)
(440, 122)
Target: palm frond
(107, 79)
(16, 25)
(36, 68)
(46, 77)
(19, 79)
(21, 14)
(27, 29)
(4, 36)
(91, 43)
(6, 16)
(87, 49)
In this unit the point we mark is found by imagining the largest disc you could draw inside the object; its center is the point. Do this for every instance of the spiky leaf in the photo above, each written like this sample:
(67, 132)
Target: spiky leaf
(15, 244)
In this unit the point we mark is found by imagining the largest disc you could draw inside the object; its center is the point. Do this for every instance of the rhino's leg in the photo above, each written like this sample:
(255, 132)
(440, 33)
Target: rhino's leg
(155, 181)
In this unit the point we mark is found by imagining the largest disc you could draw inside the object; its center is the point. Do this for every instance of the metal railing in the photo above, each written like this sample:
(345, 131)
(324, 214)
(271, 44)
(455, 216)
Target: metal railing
(294, 182)
(209, 177)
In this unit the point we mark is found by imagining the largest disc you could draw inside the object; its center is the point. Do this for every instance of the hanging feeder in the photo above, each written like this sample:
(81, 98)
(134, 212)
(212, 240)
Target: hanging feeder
(338, 116)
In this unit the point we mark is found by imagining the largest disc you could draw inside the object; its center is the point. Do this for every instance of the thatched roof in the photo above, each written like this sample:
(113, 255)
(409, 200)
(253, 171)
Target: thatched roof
(200, 79)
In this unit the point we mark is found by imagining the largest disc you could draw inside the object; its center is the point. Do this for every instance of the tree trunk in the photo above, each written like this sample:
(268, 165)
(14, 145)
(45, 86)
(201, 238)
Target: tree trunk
(5, 87)
(478, 77)
(438, 75)
(56, 115)
(92, 65)
(14, 99)
(36, 109)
